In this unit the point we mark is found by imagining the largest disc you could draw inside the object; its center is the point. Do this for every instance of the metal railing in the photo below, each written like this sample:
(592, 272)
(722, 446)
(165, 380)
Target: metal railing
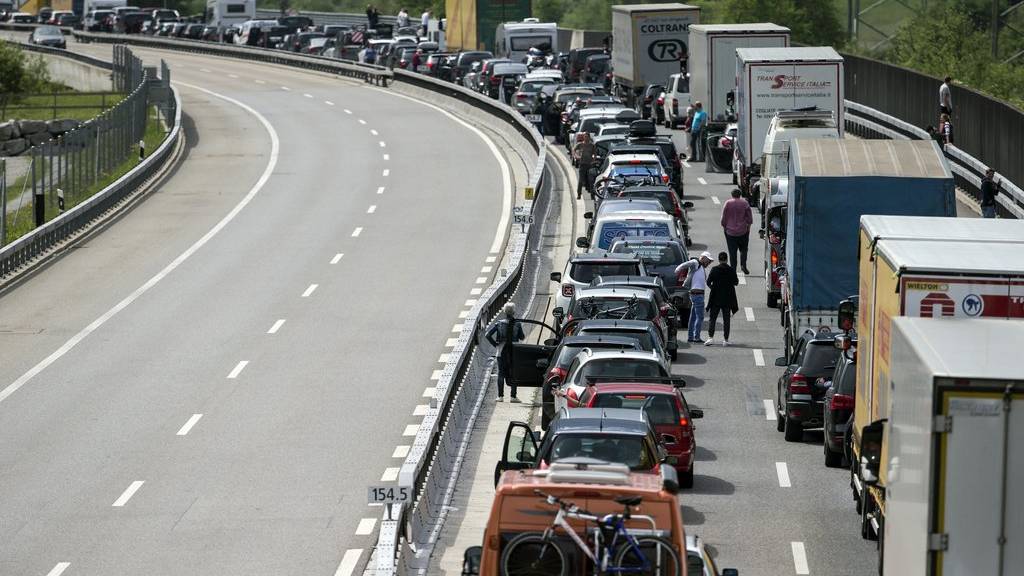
(59, 186)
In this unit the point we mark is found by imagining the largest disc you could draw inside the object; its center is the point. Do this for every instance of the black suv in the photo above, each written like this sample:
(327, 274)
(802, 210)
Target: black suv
(839, 404)
(800, 399)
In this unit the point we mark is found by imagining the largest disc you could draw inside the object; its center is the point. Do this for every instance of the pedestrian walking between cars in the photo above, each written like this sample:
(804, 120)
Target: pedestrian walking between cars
(585, 154)
(736, 221)
(501, 335)
(697, 280)
(722, 283)
(697, 132)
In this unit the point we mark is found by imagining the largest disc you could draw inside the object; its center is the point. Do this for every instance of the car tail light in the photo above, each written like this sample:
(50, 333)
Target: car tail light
(775, 258)
(725, 142)
(568, 290)
(798, 384)
(661, 100)
(647, 99)
(675, 106)
(664, 178)
(841, 402)
(665, 309)
(556, 375)
(571, 394)
(521, 96)
(495, 79)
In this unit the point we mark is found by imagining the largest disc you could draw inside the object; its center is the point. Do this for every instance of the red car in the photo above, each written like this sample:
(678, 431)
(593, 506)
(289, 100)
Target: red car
(666, 409)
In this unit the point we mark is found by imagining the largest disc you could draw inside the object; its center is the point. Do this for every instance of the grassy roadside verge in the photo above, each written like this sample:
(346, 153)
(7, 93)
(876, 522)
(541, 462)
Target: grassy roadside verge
(74, 105)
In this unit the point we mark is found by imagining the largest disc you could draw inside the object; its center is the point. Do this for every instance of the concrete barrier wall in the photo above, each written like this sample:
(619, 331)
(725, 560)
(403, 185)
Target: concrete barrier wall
(77, 75)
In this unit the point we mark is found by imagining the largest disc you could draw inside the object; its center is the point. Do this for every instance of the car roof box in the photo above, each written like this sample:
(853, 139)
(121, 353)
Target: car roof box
(586, 471)
(642, 129)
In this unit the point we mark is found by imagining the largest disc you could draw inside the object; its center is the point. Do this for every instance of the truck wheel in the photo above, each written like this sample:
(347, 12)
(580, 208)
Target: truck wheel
(794, 430)
(832, 459)
(686, 478)
(853, 487)
(867, 508)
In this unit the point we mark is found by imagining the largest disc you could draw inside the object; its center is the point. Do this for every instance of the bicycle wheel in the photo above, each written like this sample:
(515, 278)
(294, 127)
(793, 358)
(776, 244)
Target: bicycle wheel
(530, 554)
(651, 556)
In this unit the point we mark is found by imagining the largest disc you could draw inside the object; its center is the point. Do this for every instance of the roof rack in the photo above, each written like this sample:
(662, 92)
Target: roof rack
(586, 471)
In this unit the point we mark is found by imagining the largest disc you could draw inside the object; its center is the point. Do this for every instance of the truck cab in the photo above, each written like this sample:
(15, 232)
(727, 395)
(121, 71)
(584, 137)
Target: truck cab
(514, 39)
(784, 128)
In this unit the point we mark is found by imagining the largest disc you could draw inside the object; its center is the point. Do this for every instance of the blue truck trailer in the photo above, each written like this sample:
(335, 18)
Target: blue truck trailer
(832, 184)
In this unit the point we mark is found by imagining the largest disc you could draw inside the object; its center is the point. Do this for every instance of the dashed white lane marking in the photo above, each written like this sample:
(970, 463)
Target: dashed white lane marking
(347, 111)
(337, 258)
(328, 102)
(374, 132)
(128, 493)
(237, 369)
(232, 75)
(386, 172)
(275, 146)
(464, 314)
(387, 156)
(380, 190)
(715, 200)
(365, 526)
(420, 410)
(476, 291)
(361, 121)
(260, 82)
(348, 562)
(184, 430)
(742, 278)
(443, 358)
(457, 327)
(769, 410)
(758, 357)
(490, 259)
(411, 430)
(486, 269)
(308, 95)
(371, 209)
(436, 374)
(309, 291)
(800, 558)
(702, 181)
(401, 451)
(451, 342)
(357, 232)
(389, 475)
(204, 70)
(685, 163)
(277, 326)
(428, 392)
(749, 312)
(481, 280)
(782, 471)
(471, 301)
(383, 144)
(59, 569)
(286, 89)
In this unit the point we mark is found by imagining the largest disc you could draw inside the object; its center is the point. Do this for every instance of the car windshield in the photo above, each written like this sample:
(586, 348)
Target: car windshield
(619, 308)
(819, 357)
(621, 367)
(637, 170)
(652, 253)
(628, 450)
(532, 86)
(661, 408)
(585, 272)
(570, 96)
(48, 31)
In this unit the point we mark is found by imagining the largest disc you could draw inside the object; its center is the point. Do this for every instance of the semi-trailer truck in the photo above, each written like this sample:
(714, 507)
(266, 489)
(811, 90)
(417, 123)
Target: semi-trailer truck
(648, 44)
(832, 184)
(950, 451)
(955, 268)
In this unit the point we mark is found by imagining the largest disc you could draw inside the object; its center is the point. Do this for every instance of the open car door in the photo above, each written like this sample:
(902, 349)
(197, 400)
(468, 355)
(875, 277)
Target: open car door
(520, 450)
(526, 370)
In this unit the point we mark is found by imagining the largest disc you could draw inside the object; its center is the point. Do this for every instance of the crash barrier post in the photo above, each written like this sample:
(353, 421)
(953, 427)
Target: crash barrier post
(64, 168)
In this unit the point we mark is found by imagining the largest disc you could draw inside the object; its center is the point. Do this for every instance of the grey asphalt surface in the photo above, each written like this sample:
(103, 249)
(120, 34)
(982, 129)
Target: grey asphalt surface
(272, 478)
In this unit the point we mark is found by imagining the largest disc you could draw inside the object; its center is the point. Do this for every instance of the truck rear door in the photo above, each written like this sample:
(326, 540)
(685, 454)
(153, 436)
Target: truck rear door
(978, 507)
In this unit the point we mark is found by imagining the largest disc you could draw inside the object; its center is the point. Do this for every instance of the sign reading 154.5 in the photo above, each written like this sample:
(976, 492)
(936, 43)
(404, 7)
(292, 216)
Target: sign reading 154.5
(388, 494)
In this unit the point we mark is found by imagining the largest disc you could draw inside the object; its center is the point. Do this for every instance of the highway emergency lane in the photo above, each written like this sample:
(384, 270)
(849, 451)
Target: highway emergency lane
(296, 423)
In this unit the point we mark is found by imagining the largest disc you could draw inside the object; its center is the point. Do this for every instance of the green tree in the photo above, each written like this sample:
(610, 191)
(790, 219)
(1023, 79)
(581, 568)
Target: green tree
(19, 75)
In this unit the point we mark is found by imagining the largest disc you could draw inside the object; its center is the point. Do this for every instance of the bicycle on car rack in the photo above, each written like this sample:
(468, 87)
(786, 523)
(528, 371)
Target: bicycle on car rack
(615, 548)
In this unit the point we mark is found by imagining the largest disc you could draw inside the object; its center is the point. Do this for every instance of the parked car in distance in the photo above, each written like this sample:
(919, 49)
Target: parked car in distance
(465, 60)
(504, 78)
(97, 21)
(648, 100)
(577, 60)
(840, 401)
(48, 36)
(800, 393)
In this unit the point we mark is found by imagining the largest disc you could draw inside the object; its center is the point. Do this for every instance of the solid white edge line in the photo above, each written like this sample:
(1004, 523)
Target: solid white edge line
(277, 326)
(782, 471)
(337, 258)
(238, 369)
(799, 558)
(749, 312)
(128, 493)
(769, 410)
(59, 569)
(184, 430)
(95, 324)
(506, 170)
(758, 357)
(357, 232)
(309, 291)
(348, 562)
(328, 102)
(365, 526)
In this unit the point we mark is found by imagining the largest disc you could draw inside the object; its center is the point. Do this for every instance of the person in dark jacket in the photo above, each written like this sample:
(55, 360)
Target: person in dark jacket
(989, 191)
(501, 335)
(722, 283)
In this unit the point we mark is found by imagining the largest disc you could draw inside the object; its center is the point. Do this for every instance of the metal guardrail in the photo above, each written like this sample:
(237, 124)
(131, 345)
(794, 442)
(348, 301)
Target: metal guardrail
(967, 170)
(125, 124)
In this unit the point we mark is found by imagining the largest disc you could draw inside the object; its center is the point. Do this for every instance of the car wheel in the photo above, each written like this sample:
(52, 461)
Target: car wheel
(686, 478)
(780, 420)
(674, 355)
(832, 459)
(794, 430)
(734, 182)
(773, 300)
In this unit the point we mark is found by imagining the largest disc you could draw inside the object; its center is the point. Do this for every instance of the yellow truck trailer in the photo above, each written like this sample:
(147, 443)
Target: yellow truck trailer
(922, 267)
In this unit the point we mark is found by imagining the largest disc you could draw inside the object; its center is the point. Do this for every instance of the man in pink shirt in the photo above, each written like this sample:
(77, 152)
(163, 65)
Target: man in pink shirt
(736, 221)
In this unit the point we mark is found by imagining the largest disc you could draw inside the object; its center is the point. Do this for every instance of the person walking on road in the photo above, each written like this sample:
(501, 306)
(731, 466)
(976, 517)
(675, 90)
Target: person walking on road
(585, 153)
(989, 191)
(946, 97)
(697, 279)
(402, 20)
(736, 221)
(722, 283)
(697, 132)
(501, 335)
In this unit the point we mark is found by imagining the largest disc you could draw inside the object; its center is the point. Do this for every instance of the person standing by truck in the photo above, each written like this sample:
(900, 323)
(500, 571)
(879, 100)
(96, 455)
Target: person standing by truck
(736, 221)
(697, 132)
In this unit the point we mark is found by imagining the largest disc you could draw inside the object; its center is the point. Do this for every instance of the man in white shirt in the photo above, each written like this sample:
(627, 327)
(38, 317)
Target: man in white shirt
(697, 279)
(945, 97)
(403, 18)
(425, 22)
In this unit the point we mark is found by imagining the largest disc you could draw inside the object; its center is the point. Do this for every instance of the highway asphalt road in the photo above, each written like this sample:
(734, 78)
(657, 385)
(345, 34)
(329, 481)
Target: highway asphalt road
(209, 385)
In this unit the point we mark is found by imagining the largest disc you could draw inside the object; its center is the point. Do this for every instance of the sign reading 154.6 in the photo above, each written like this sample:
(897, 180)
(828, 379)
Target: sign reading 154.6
(388, 494)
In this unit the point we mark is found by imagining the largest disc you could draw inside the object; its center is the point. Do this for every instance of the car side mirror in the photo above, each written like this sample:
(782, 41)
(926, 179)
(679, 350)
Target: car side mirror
(558, 312)
(781, 362)
(668, 439)
(696, 413)
(682, 156)
(687, 205)
(847, 314)
(871, 438)
(582, 242)
(760, 233)
(471, 560)
(542, 363)
(588, 215)
(551, 342)
(556, 276)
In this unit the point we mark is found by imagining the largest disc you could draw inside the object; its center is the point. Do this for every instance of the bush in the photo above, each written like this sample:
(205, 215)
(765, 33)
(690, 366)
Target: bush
(19, 75)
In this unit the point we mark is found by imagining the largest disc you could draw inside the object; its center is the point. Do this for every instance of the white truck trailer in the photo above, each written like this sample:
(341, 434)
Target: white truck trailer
(953, 449)
(229, 12)
(712, 62)
(648, 44)
(772, 80)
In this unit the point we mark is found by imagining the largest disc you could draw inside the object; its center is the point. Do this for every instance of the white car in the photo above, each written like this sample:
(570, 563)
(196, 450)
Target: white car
(633, 167)
(786, 127)
(609, 363)
(677, 99)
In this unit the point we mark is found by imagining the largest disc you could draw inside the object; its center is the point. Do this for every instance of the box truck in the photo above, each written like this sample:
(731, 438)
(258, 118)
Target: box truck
(513, 40)
(471, 24)
(712, 61)
(772, 80)
(648, 44)
(952, 449)
(832, 184)
(923, 267)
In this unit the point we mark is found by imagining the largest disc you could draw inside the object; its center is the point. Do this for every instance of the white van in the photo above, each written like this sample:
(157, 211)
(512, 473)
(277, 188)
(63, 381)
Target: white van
(614, 226)
(784, 128)
(229, 12)
(677, 99)
(512, 40)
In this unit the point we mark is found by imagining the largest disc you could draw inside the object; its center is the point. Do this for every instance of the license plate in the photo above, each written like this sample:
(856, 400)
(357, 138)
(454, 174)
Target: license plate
(422, 68)
(535, 118)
